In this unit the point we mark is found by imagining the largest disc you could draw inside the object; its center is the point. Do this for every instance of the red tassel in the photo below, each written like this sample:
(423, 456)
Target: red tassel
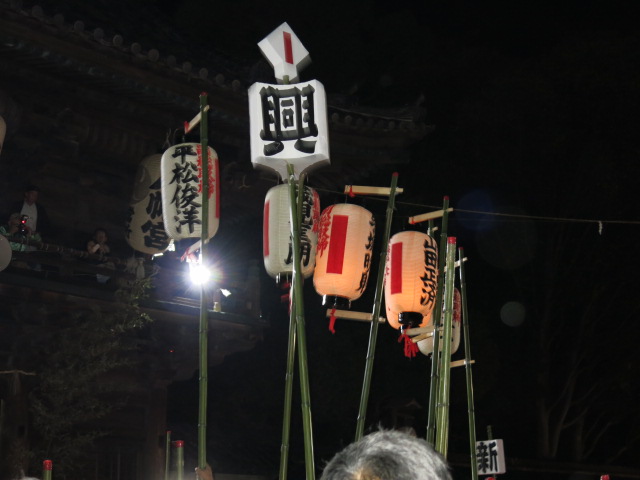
(351, 194)
(410, 348)
(332, 321)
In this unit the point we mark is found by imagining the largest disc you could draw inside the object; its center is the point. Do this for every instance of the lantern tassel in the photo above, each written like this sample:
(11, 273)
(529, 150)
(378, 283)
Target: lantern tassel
(410, 348)
(332, 321)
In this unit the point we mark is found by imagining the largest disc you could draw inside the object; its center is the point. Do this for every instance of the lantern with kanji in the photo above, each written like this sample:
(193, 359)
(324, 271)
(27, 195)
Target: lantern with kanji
(411, 277)
(182, 192)
(426, 345)
(343, 258)
(144, 228)
(392, 319)
(277, 247)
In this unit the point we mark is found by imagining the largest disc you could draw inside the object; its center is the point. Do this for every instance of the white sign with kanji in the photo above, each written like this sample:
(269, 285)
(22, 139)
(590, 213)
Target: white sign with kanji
(286, 54)
(288, 125)
(490, 457)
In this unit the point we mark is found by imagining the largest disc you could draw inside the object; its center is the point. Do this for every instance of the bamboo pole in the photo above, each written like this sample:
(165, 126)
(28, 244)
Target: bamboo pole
(300, 328)
(377, 305)
(204, 316)
(437, 314)
(167, 455)
(468, 372)
(442, 434)
(179, 444)
(47, 468)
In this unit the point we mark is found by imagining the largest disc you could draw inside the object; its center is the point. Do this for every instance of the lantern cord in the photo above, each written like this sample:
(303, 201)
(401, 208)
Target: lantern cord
(410, 348)
(332, 321)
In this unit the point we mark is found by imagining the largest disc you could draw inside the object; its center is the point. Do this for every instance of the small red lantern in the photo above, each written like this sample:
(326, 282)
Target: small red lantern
(343, 258)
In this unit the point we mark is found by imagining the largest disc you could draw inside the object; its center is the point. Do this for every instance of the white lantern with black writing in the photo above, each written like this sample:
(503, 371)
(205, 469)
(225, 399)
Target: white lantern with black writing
(411, 277)
(343, 258)
(288, 125)
(182, 192)
(144, 228)
(426, 345)
(276, 239)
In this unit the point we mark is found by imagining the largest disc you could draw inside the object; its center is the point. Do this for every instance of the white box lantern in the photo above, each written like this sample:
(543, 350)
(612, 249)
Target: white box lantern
(288, 125)
(411, 277)
(144, 228)
(276, 242)
(426, 345)
(343, 259)
(182, 177)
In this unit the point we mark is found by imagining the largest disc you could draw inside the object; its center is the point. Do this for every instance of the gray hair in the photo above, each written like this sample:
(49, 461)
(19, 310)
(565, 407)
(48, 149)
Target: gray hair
(387, 455)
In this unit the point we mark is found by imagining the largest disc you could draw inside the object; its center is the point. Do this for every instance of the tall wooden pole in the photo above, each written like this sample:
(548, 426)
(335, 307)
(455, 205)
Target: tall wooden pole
(442, 434)
(167, 455)
(469, 376)
(377, 306)
(437, 315)
(298, 303)
(204, 314)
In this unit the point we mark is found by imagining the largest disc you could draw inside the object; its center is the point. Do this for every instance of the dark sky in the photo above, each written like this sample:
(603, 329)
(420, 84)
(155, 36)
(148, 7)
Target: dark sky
(535, 108)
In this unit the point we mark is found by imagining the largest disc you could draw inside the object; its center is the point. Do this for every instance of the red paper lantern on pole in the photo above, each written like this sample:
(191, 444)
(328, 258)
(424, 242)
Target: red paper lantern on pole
(411, 277)
(276, 233)
(343, 258)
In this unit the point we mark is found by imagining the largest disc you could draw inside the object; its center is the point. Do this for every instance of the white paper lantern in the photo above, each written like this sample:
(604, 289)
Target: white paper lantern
(181, 172)
(426, 345)
(392, 319)
(276, 238)
(288, 125)
(411, 277)
(144, 229)
(343, 258)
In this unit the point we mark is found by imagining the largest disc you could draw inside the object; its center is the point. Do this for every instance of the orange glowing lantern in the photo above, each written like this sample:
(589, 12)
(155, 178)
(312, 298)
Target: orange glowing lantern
(276, 241)
(343, 258)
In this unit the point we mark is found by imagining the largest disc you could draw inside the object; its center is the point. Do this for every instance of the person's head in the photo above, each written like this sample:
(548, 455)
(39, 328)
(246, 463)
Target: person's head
(31, 194)
(14, 219)
(100, 235)
(387, 455)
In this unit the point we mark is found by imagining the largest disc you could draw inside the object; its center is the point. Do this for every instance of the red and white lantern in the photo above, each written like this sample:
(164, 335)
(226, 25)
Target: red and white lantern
(277, 247)
(426, 345)
(343, 258)
(144, 228)
(411, 277)
(392, 319)
(182, 200)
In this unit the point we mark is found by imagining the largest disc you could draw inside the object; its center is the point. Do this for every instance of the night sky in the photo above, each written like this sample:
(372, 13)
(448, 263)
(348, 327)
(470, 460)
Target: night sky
(535, 108)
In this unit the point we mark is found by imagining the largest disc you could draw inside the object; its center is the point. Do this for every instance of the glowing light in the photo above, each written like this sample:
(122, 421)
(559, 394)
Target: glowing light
(198, 273)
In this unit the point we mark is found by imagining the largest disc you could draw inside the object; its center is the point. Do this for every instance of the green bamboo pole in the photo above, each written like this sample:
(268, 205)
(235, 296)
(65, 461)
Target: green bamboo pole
(179, 444)
(467, 362)
(437, 315)
(167, 455)
(377, 306)
(300, 329)
(47, 467)
(442, 427)
(204, 314)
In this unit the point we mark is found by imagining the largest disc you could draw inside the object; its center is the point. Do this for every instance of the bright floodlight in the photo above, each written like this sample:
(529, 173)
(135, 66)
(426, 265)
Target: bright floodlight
(198, 273)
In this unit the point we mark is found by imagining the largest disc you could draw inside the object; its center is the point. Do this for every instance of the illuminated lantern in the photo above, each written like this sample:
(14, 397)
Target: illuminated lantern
(392, 319)
(3, 131)
(181, 173)
(411, 277)
(343, 258)
(276, 237)
(145, 230)
(426, 345)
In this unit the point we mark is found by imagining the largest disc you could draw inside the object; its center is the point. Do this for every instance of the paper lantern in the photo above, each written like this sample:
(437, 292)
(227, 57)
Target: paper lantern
(181, 173)
(343, 258)
(144, 230)
(426, 345)
(5, 252)
(276, 238)
(392, 319)
(411, 277)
